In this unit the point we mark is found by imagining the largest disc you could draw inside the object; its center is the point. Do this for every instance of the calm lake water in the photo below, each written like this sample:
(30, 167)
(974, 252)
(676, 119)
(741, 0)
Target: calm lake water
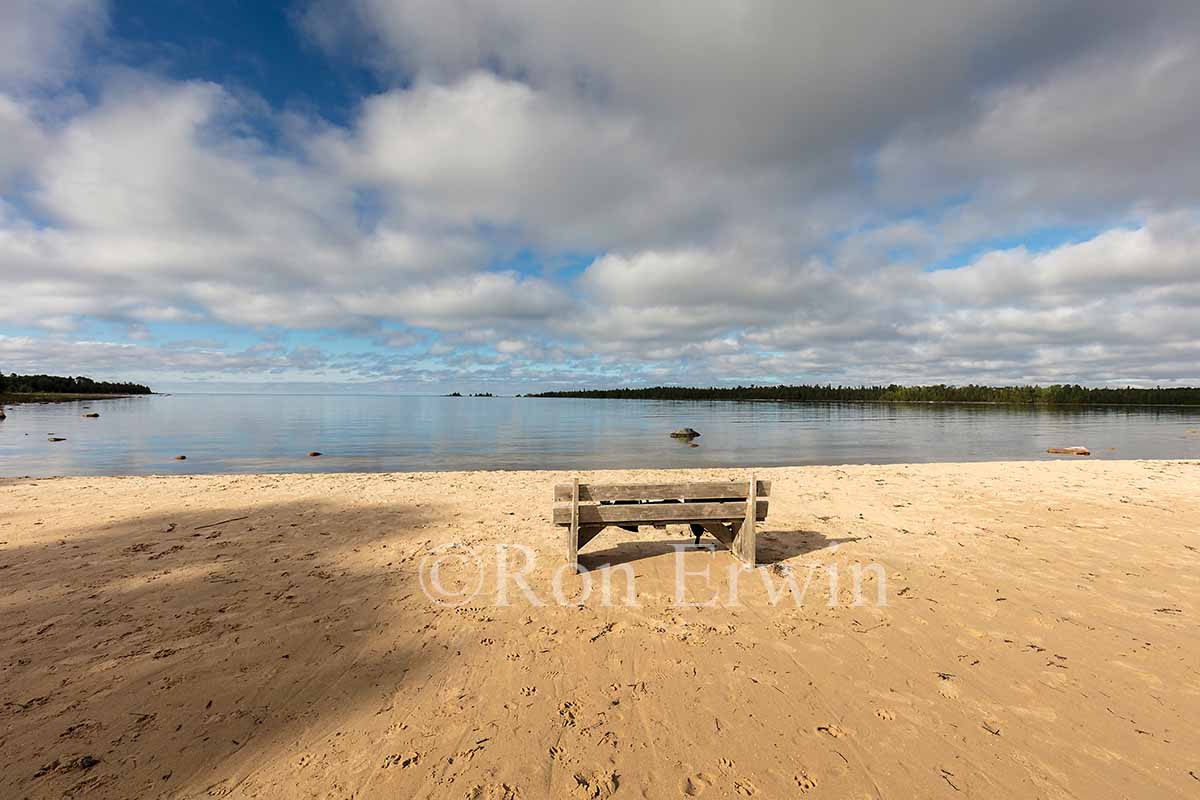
(264, 433)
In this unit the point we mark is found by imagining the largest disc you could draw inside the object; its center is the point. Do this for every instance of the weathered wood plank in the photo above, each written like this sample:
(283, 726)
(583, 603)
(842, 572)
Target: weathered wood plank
(744, 544)
(573, 531)
(720, 532)
(710, 490)
(648, 513)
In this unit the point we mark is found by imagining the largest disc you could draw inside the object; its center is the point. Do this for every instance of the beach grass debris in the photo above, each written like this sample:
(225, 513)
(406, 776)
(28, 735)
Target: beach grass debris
(221, 522)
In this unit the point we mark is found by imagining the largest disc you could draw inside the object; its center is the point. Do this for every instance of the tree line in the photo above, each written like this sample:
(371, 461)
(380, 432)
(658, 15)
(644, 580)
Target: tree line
(57, 384)
(1055, 395)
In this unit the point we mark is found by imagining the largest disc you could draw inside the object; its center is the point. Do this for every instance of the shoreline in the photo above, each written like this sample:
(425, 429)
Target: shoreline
(60, 397)
(54, 397)
(604, 473)
(274, 635)
(601, 473)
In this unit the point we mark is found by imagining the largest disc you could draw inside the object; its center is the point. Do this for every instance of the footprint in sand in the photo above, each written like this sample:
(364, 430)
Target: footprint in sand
(530, 691)
(404, 760)
(884, 713)
(556, 753)
(745, 787)
(836, 731)
(567, 711)
(696, 784)
(596, 785)
(495, 791)
(725, 763)
(805, 782)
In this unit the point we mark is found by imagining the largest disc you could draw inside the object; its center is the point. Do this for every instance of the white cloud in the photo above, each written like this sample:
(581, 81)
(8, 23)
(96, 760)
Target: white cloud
(1164, 253)
(40, 39)
(762, 187)
(485, 149)
(477, 300)
(24, 141)
(160, 211)
(1109, 130)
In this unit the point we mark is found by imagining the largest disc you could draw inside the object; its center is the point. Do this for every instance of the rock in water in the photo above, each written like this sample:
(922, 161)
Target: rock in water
(313, 454)
(685, 433)
(1069, 451)
(92, 414)
(1, 412)
(57, 439)
(181, 458)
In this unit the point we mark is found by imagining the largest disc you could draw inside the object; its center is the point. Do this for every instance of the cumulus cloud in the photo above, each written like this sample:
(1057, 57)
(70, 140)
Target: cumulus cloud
(40, 39)
(1165, 253)
(61, 355)
(767, 80)
(484, 148)
(24, 141)
(1107, 131)
(612, 193)
(161, 210)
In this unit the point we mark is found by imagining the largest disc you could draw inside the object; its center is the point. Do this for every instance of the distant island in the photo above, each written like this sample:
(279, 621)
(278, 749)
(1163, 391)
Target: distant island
(1056, 395)
(44, 388)
(476, 394)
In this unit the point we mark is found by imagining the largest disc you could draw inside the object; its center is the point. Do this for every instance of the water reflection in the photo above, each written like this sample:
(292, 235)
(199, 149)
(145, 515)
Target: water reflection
(263, 433)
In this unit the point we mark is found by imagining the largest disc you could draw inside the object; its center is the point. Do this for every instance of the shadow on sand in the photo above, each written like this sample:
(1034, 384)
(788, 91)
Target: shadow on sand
(225, 636)
(772, 547)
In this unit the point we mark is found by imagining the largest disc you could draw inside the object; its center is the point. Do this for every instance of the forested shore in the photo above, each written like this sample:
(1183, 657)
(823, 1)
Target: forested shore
(15, 387)
(1055, 395)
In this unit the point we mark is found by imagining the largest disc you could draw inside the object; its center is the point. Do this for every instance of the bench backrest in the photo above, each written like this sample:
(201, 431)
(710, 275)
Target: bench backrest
(613, 504)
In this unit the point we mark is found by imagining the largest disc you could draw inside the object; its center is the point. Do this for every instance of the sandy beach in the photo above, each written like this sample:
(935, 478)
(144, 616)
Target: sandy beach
(1017, 630)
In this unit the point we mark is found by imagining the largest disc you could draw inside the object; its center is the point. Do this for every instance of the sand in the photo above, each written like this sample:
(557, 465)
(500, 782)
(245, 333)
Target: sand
(1039, 639)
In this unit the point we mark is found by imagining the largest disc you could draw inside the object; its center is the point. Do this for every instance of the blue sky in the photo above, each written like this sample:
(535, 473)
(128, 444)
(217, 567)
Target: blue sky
(420, 197)
(247, 46)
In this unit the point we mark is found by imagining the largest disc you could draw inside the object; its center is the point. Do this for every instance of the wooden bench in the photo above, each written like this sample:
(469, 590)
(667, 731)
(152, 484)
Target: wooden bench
(720, 508)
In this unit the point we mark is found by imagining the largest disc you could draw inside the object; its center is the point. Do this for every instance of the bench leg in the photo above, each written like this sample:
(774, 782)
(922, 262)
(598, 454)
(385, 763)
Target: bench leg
(573, 530)
(744, 545)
